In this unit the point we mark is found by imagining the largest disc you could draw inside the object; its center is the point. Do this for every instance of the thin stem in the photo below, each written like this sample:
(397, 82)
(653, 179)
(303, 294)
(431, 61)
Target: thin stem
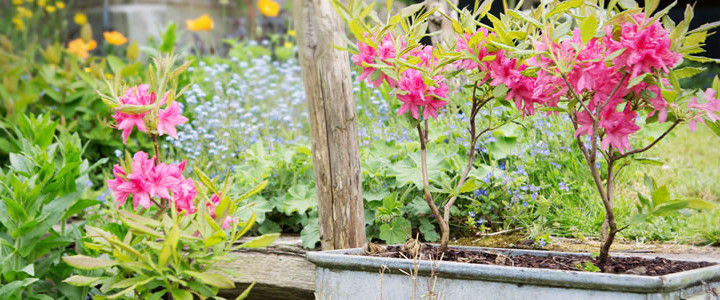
(626, 154)
(572, 91)
(157, 149)
(444, 228)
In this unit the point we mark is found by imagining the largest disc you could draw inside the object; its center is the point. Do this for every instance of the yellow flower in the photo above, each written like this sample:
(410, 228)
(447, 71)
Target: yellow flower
(288, 45)
(41, 3)
(80, 48)
(50, 8)
(268, 8)
(87, 69)
(19, 24)
(291, 32)
(109, 76)
(18, 2)
(80, 19)
(24, 12)
(202, 23)
(115, 38)
(60, 4)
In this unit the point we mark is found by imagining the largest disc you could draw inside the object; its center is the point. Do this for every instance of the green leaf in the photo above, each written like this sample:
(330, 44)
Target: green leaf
(648, 161)
(258, 188)
(660, 196)
(80, 206)
(696, 203)
(206, 180)
(138, 223)
(627, 4)
(78, 280)
(588, 28)
(310, 234)
(261, 241)
(637, 79)
(299, 199)
(688, 72)
(212, 279)
(168, 39)
(179, 294)
(116, 64)
(409, 169)
(169, 246)
(457, 27)
(83, 262)
(217, 237)
(201, 288)
(8, 290)
(245, 293)
(565, 6)
(651, 6)
(669, 208)
(397, 232)
(428, 230)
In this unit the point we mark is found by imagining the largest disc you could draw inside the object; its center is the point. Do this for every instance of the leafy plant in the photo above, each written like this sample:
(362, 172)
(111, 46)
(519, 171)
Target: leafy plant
(40, 190)
(624, 89)
(175, 232)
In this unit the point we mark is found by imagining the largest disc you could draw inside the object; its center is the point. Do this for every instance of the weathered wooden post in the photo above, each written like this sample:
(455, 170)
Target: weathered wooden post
(328, 89)
(439, 23)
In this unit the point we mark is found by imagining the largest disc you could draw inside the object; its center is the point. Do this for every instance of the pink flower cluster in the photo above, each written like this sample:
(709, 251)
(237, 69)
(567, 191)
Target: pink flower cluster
(147, 180)
(707, 110)
(412, 90)
(369, 55)
(501, 69)
(646, 49)
(168, 118)
(647, 46)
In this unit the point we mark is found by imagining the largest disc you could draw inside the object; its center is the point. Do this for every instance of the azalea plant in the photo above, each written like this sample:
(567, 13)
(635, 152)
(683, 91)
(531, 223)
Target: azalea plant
(175, 231)
(613, 70)
(389, 52)
(604, 66)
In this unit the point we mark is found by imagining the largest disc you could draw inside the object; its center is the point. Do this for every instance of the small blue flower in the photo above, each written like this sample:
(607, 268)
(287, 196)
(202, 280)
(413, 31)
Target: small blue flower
(542, 243)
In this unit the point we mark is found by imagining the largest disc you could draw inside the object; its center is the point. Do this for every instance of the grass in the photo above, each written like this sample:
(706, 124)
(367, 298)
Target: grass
(691, 170)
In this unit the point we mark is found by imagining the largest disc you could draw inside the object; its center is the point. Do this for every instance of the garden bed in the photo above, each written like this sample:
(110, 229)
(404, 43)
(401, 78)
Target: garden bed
(570, 262)
(341, 271)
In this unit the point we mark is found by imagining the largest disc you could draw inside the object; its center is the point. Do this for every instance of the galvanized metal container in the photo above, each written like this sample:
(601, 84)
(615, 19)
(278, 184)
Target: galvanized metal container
(343, 276)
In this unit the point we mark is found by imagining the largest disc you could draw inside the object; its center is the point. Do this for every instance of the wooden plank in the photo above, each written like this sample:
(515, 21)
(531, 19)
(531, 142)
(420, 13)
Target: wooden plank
(279, 271)
(331, 108)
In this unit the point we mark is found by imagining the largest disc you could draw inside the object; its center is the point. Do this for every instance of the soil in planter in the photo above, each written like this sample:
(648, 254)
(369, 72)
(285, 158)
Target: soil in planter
(616, 265)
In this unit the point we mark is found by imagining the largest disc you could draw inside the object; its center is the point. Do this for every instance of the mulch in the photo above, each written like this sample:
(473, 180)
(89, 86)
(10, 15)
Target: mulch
(616, 265)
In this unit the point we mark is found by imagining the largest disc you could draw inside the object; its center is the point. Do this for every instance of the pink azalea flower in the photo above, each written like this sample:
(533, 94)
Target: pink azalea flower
(114, 184)
(169, 118)
(148, 181)
(647, 46)
(370, 55)
(617, 129)
(133, 96)
(503, 70)
(229, 222)
(708, 109)
(184, 196)
(463, 44)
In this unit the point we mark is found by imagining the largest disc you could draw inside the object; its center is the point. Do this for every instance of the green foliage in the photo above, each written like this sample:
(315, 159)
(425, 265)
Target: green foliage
(40, 190)
(179, 254)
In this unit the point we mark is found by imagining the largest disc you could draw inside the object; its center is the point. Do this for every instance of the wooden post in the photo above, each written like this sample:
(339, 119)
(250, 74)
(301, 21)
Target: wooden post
(439, 23)
(328, 89)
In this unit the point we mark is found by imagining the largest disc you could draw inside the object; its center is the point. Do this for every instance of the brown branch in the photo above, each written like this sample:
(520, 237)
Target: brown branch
(626, 154)
(572, 91)
(617, 87)
(426, 182)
